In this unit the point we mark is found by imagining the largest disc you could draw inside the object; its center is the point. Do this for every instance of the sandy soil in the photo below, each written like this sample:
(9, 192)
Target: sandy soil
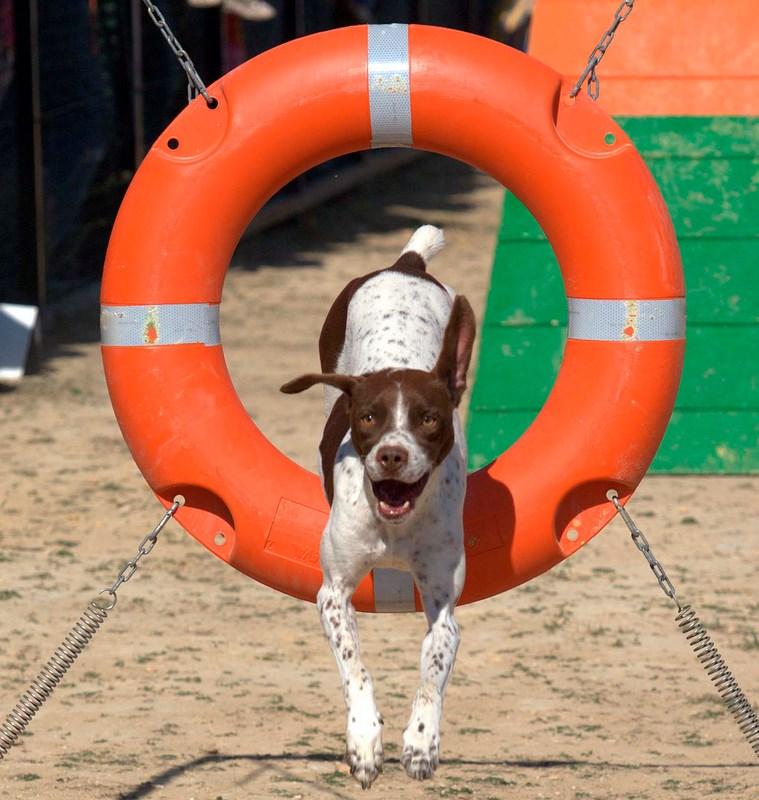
(203, 684)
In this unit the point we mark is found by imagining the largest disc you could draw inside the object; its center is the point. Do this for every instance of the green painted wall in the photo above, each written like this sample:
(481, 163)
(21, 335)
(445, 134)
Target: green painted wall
(708, 171)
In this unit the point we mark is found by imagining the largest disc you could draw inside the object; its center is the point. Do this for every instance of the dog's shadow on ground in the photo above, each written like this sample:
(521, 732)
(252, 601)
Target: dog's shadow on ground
(274, 763)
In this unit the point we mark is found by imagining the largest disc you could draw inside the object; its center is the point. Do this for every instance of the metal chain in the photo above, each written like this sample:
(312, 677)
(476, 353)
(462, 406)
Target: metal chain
(599, 51)
(74, 643)
(642, 544)
(699, 640)
(195, 85)
(146, 545)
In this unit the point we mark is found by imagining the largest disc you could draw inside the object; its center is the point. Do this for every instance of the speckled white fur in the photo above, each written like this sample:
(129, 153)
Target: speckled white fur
(395, 321)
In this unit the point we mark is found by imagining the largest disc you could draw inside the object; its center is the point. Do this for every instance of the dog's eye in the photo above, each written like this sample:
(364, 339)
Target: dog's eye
(367, 419)
(429, 421)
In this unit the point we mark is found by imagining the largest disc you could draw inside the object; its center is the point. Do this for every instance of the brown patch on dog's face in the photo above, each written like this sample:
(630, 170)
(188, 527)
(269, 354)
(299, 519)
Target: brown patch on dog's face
(427, 411)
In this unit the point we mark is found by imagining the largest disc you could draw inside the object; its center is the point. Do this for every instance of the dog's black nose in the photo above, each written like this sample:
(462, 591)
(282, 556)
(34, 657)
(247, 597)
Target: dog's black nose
(391, 458)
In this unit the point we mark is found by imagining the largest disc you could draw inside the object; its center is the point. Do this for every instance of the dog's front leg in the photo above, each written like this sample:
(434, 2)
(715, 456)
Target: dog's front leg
(440, 587)
(364, 751)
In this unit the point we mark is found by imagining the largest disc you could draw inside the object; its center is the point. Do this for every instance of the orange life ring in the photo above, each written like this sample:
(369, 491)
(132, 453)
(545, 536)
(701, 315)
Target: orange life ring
(347, 90)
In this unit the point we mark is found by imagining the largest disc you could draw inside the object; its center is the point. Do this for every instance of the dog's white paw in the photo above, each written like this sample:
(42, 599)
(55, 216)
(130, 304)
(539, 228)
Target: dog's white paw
(364, 752)
(421, 750)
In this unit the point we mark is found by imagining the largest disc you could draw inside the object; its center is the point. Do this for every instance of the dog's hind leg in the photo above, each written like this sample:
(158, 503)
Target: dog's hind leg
(440, 589)
(364, 751)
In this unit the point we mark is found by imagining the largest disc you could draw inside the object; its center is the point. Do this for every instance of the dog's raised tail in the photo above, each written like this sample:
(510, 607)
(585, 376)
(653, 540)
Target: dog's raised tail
(426, 241)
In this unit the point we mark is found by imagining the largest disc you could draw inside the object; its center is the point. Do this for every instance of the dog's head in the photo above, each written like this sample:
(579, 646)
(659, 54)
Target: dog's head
(402, 420)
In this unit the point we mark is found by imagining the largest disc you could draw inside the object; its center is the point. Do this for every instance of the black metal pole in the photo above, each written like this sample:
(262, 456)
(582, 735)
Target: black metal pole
(32, 281)
(138, 85)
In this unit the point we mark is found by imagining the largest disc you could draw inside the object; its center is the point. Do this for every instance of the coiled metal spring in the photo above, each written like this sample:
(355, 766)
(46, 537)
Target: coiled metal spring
(723, 680)
(697, 637)
(51, 674)
(79, 637)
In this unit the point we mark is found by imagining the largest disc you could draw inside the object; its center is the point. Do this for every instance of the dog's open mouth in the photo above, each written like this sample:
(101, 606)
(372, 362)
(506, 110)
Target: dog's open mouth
(396, 498)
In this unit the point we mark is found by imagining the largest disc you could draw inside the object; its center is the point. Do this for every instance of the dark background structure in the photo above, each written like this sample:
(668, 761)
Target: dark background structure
(87, 85)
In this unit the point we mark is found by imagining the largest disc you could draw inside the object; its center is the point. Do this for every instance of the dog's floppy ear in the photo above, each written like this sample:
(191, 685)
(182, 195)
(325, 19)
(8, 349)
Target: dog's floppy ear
(345, 383)
(458, 340)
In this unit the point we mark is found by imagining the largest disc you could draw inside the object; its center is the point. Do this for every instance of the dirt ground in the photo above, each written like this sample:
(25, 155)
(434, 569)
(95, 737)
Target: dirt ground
(205, 685)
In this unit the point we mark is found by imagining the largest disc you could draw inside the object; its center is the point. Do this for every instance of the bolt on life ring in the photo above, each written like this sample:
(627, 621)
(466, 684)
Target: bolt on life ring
(347, 90)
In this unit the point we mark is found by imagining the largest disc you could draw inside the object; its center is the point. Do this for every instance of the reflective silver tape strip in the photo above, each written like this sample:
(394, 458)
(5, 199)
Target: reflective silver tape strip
(170, 323)
(393, 590)
(626, 320)
(389, 88)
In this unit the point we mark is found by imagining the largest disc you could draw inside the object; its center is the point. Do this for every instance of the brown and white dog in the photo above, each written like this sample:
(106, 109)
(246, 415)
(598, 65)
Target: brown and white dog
(395, 349)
